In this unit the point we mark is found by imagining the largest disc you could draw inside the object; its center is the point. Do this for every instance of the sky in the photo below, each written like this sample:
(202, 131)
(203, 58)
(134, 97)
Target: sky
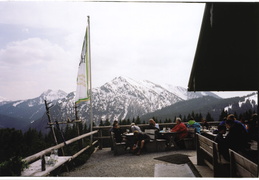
(41, 43)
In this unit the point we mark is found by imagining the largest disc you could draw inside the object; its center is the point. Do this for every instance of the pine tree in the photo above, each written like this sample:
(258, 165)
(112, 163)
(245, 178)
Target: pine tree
(133, 120)
(200, 117)
(128, 122)
(138, 120)
(123, 122)
(208, 117)
(107, 122)
(223, 115)
(101, 123)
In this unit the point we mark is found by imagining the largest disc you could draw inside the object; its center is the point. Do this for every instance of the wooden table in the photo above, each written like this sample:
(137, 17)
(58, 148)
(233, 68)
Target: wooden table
(170, 136)
(129, 134)
(129, 140)
(208, 134)
(34, 168)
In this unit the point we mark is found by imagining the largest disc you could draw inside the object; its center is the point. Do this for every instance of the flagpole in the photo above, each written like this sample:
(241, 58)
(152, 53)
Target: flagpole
(91, 106)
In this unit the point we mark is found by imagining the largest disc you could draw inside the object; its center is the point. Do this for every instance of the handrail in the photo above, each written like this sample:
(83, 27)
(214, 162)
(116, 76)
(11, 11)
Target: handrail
(127, 126)
(82, 150)
(46, 151)
(145, 125)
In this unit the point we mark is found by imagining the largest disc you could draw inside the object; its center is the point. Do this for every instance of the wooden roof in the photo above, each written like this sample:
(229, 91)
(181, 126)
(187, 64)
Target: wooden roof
(227, 54)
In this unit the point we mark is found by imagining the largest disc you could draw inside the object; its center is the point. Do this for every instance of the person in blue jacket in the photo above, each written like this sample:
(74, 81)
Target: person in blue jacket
(193, 124)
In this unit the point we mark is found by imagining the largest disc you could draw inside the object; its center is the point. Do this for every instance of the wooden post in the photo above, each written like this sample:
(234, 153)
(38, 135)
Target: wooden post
(49, 118)
(43, 163)
(100, 134)
(80, 143)
(52, 124)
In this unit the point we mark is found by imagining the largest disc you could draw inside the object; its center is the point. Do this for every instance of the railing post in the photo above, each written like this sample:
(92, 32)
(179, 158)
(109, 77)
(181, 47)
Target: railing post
(100, 139)
(43, 163)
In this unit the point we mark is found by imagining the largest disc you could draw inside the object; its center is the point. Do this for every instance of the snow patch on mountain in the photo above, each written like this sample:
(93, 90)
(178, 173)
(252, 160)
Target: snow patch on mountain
(17, 103)
(249, 99)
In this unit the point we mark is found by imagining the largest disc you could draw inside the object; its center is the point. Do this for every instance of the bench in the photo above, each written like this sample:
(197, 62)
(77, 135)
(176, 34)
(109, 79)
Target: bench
(241, 166)
(155, 144)
(189, 141)
(208, 154)
(118, 148)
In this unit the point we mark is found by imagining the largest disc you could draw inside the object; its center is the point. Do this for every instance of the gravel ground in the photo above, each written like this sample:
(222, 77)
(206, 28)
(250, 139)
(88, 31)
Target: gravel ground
(104, 164)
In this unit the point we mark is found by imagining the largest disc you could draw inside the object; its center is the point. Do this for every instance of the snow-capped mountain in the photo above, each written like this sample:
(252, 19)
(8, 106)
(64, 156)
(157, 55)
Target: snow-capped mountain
(51, 95)
(186, 95)
(131, 98)
(121, 98)
(32, 109)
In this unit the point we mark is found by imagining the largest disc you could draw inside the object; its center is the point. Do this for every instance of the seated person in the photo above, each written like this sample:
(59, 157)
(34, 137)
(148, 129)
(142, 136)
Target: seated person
(153, 125)
(181, 130)
(135, 128)
(193, 124)
(117, 132)
(140, 140)
(253, 128)
(223, 147)
(237, 137)
(204, 124)
(232, 117)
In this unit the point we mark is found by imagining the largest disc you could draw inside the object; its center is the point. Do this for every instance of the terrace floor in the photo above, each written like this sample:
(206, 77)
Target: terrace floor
(174, 163)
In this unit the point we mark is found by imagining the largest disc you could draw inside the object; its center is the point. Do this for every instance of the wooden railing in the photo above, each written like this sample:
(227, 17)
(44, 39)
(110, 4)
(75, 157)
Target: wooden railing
(36, 165)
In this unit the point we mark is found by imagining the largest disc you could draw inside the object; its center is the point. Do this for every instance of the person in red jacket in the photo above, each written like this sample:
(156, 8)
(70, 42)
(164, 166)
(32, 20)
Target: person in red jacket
(181, 130)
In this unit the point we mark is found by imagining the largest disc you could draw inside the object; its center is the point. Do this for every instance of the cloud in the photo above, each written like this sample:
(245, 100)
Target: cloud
(34, 64)
(29, 52)
(42, 41)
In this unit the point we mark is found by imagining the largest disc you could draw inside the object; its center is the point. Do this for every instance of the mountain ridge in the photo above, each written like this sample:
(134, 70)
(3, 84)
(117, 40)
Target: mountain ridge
(120, 98)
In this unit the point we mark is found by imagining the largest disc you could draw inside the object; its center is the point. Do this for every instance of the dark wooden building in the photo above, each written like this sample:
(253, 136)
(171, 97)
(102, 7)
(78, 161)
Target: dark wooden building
(227, 54)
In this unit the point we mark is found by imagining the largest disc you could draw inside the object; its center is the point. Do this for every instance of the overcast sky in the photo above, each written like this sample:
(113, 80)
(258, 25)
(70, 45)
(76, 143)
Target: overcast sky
(41, 42)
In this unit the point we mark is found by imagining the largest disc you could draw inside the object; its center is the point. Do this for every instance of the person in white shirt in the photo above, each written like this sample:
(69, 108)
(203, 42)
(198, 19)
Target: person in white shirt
(153, 124)
(134, 127)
